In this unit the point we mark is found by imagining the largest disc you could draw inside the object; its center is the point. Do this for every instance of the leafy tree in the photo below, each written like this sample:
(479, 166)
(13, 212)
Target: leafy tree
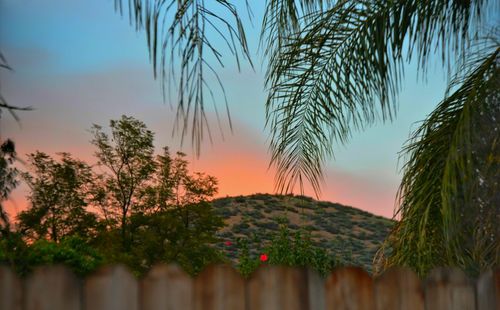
(58, 198)
(336, 67)
(186, 235)
(128, 157)
(174, 186)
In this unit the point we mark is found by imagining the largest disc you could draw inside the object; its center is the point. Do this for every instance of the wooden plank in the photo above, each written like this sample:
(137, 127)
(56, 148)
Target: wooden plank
(219, 287)
(449, 289)
(52, 288)
(10, 290)
(111, 288)
(279, 287)
(399, 289)
(349, 288)
(166, 287)
(488, 290)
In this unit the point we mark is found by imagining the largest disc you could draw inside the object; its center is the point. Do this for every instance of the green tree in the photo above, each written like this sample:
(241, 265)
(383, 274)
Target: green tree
(186, 235)
(58, 198)
(128, 157)
(335, 67)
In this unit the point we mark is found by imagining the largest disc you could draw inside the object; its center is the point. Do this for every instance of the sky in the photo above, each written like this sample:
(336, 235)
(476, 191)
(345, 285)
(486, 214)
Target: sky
(78, 63)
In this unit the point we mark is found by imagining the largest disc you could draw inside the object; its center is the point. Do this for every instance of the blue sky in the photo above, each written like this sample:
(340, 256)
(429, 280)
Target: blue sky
(78, 63)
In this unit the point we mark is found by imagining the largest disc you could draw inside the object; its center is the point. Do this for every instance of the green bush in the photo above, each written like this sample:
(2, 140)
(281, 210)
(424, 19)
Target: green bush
(287, 249)
(72, 251)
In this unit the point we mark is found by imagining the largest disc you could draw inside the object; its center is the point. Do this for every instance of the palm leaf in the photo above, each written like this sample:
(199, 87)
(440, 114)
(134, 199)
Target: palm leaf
(449, 201)
(342, 70)
(184, 30)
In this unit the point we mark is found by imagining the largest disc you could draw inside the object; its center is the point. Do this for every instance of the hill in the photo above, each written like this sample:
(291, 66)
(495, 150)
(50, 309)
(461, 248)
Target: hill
(351, 234)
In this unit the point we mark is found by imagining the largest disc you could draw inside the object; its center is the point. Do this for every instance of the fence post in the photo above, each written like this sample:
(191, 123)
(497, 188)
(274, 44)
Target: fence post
(488, 290)
(219, 287)
(52, 288)
(399, 289)
(111, 288)
(449, 289)
(349, 288)
(166, 287)
(10, 290)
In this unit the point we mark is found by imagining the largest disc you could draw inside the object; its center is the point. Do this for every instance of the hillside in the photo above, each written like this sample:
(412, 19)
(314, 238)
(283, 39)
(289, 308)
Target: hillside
(351, 234)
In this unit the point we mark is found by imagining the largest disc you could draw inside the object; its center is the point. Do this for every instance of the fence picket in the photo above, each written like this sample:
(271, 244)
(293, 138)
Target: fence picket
(349, 288)
(449, 289)
(219, 287)
(278, 287)
(52, 288)
(488, 290)
(10, 290)
(399, 289)
(111, 288)
(167, 287)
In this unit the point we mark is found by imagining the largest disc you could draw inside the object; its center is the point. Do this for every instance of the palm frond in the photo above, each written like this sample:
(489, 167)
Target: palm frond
(3, 102)
(449, 195)
(282, 19)
(184, 30)
(342, 71)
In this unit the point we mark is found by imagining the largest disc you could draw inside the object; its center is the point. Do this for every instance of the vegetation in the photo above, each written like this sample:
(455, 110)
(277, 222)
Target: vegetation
(347, 235)
(142, 210)
(335, 67)
(146, 209)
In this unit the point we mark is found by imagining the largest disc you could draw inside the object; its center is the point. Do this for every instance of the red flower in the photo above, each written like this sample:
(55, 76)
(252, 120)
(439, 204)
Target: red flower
(263, 257)
(228, 243)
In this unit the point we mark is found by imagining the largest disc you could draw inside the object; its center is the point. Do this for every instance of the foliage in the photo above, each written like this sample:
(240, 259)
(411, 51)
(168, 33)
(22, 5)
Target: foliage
(449, 193)
(157, 201)
(287, 249)
(183, 234)
(58, 197)
(71, 251)
(128, 157)
(180, 29)
(8, 181)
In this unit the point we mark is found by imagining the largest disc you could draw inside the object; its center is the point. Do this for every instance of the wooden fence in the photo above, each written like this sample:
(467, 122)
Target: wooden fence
(271, 287)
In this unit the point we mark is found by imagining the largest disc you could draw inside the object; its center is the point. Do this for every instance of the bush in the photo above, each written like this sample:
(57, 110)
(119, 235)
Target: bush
(72, 251)
(287, 249)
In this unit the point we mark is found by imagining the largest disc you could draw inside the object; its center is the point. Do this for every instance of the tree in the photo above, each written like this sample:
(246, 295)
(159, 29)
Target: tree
(173, 186)
(176, 222)
(128, 157)
(335, 67)
(58, 198)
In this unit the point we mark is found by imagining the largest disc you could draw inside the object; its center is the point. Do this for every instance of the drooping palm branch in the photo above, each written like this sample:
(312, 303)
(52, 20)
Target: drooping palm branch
(450, 194)
(181, 38)
(3, 102)
(341, 73)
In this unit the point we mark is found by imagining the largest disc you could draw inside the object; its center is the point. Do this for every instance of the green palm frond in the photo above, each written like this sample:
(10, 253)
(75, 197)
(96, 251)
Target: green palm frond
(185, 30)
(341, 73)
(449, 195)
(283, 18)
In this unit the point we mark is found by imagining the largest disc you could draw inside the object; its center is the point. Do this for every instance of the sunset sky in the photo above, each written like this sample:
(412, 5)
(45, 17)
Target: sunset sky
(78, 63)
